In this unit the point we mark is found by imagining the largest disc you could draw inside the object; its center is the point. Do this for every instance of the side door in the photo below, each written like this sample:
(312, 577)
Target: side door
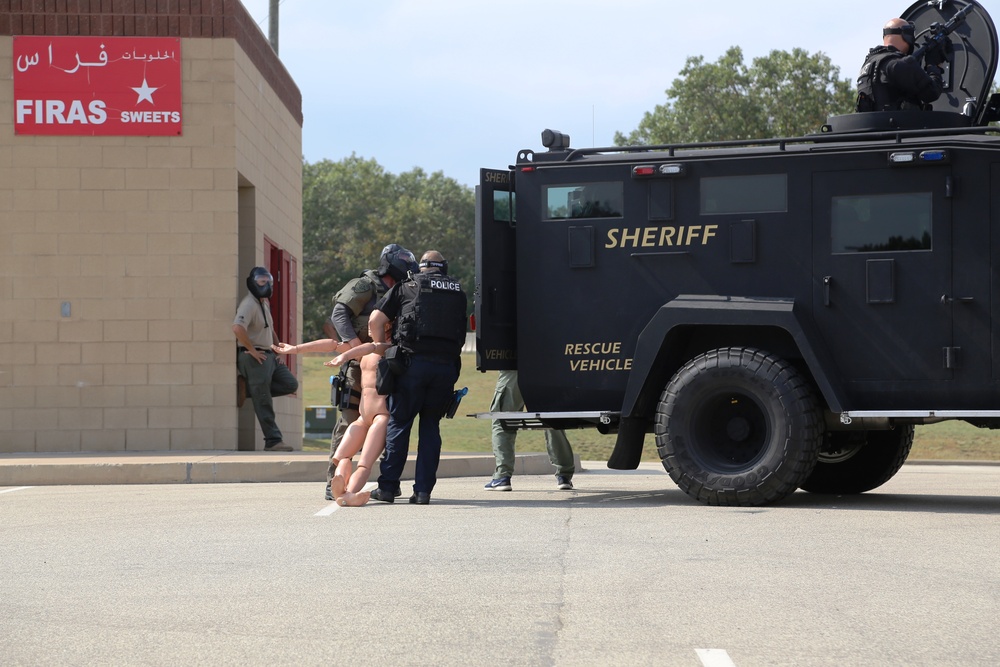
(883, 262)
(496, 272)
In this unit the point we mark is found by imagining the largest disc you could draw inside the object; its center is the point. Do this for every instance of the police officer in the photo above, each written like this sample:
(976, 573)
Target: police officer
(892, 79)
(352, 306)
(428, 315)
(256, 363)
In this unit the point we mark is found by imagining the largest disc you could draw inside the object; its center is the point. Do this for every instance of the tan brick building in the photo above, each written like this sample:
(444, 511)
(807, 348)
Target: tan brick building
(123, 258)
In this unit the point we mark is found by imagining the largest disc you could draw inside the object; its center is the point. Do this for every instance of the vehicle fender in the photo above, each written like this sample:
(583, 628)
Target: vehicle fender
(656, 358)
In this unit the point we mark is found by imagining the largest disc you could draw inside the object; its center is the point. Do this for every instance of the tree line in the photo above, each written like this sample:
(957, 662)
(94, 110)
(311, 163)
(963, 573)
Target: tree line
(353, 208)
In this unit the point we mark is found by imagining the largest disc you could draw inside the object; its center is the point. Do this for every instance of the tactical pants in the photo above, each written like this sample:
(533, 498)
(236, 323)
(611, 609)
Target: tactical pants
(507, 398)
(345, 416)
(424, 390)
(264, 382)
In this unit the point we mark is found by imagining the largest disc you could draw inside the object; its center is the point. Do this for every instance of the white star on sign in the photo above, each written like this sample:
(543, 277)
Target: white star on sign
(145, 92)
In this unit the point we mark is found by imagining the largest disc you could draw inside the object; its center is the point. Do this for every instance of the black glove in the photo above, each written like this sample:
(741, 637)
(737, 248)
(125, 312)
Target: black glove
(939, 53)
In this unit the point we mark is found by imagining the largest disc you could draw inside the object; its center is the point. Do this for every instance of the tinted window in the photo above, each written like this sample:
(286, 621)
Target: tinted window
(881, 223)
(590, 200)
(766, 193)
(503, 206)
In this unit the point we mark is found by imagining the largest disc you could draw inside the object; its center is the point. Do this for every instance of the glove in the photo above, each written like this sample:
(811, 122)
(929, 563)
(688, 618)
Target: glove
(939, 53)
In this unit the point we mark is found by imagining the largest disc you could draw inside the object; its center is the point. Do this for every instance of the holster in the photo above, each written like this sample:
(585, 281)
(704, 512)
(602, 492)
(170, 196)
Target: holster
(456, 399)
(385, 379)
(341, 390)
(335, 382)
(397, 360)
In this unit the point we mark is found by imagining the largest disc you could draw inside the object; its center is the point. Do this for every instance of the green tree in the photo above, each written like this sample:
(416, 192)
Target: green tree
(353, 208)
(781, 94)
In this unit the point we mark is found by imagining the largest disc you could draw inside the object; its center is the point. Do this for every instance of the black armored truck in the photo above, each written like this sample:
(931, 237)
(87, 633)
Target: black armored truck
(778, 313)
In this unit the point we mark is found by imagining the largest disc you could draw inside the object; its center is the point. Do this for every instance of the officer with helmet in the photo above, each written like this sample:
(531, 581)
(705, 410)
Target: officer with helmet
(353, 305)
(428, 313)
(892, 79)
(262, 376)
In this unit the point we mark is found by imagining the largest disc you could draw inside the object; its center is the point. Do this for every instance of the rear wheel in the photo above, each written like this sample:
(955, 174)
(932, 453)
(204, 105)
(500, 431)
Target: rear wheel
(859, 461)
(738, 426)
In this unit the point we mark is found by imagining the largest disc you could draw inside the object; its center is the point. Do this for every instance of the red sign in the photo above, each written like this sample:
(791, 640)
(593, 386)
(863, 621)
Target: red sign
(97, 85)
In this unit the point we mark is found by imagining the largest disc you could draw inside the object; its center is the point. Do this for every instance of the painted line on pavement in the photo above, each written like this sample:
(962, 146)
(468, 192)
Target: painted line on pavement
(714, 657)
(328, 510)
(17, 488)
(333, 507)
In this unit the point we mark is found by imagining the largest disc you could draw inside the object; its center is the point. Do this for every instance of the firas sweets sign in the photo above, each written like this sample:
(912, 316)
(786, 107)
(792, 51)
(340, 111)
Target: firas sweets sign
(97, 85)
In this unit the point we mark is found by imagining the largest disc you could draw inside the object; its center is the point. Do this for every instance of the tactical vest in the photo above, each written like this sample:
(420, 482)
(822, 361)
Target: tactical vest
(433, 321)
(873, 93)
(360, 296)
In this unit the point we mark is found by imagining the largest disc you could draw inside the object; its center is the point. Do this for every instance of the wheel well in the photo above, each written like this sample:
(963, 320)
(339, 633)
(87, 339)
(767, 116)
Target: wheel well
(684, 342)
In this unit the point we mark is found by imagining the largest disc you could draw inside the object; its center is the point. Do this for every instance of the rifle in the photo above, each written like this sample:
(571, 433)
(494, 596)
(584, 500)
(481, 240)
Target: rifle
(939, 33)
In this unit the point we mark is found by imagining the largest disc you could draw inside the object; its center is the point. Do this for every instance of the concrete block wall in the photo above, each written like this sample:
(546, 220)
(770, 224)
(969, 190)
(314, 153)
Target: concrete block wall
(138, 237)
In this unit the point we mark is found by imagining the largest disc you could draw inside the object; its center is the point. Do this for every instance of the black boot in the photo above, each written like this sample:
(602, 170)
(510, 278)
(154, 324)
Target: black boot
(383, 496)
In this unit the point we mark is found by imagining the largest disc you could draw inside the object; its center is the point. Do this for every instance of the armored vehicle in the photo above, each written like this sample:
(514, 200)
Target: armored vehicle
(778, 313)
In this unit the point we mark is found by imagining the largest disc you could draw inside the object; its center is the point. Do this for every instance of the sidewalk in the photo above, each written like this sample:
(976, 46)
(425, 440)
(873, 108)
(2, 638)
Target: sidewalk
(206, 467)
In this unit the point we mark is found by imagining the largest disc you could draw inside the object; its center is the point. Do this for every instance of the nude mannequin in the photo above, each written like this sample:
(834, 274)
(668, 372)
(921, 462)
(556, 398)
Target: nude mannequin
(366, 433)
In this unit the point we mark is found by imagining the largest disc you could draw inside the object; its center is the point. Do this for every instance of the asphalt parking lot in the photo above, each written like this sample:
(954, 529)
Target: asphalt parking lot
(625, 569)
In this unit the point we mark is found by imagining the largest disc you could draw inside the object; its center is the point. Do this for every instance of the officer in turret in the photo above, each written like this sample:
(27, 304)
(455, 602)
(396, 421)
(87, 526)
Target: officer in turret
(428, 313)
(892, 79)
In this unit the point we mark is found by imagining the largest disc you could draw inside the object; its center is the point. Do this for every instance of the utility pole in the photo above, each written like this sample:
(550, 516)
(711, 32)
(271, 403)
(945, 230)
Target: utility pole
(273, 25)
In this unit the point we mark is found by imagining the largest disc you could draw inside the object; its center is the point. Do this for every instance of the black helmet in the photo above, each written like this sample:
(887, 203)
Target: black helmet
(396, 261)
(260, 282)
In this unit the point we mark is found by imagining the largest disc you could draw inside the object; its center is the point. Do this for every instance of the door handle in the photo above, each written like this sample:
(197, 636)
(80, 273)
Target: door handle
(945, 299)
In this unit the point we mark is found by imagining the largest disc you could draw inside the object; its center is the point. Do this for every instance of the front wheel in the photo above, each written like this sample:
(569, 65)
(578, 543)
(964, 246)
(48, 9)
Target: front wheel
(859, 461)
(738, 426)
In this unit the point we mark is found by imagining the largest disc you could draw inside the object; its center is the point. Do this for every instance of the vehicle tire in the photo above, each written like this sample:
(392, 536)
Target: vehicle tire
(855, 462)
(738, 426)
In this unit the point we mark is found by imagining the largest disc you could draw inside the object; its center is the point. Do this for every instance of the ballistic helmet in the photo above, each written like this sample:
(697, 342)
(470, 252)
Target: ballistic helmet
(260, 282)
(397, 262)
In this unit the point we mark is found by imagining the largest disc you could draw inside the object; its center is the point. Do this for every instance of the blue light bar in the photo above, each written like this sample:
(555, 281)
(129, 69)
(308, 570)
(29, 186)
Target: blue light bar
(933, 156)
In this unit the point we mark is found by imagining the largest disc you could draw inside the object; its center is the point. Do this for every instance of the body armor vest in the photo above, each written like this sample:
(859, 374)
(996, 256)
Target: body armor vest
(360, 295)
(873, 93)
(433, 322)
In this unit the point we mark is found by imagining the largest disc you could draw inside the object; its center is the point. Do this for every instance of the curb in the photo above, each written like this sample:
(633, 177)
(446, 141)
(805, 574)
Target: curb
(223, 467)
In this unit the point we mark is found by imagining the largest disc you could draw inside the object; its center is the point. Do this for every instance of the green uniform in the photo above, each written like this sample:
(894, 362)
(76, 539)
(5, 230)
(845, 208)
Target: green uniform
(358, 296)
(507, 398)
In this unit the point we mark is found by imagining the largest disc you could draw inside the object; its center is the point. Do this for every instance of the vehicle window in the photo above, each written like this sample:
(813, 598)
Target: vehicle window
(881, 223)
(763, 193)
(503, 206)
(589, 200)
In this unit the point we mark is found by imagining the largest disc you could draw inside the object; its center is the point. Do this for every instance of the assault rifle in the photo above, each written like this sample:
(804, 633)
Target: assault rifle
(939, 33)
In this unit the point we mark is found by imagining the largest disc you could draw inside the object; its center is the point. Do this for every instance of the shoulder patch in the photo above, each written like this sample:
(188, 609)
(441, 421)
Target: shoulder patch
(361, 285)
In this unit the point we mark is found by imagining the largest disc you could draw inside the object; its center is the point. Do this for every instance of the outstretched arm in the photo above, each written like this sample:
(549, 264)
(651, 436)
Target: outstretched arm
(321, 345)
(358, 352)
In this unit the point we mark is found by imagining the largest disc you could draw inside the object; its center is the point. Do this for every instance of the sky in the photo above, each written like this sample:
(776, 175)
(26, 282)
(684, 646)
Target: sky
(458, 85)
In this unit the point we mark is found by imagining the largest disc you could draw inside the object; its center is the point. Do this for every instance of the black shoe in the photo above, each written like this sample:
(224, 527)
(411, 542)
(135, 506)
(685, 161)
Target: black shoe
(329, 493)
(398, 493)
(420, 498)
(384, 496)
